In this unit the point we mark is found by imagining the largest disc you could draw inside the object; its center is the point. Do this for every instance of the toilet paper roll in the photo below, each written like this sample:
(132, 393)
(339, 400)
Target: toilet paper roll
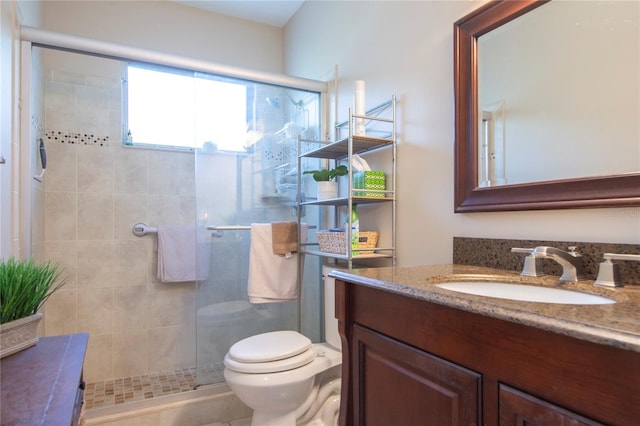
(358, 107)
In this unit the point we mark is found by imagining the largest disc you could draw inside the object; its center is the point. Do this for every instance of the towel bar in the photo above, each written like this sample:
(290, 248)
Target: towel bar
(141, 229)
(229, 228)
(237, 228)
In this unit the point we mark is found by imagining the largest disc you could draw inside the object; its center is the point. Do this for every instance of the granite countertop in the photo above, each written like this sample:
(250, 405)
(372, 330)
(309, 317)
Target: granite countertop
(615, 324)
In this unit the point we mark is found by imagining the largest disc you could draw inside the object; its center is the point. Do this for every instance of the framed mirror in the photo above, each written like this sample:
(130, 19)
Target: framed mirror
(485, 124)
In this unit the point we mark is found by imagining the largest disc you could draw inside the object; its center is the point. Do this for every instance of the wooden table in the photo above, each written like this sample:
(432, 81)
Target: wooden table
(42, 385)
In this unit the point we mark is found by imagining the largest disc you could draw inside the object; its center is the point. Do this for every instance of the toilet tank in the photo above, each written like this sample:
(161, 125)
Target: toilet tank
(331, 335)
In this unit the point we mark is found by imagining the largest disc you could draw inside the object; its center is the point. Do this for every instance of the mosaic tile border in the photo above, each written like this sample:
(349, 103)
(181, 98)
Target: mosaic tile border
(137, 388)
(73, 138)
(496, 253)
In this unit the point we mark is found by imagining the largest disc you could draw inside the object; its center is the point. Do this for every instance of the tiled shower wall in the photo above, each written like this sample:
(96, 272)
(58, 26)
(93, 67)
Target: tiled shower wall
(95, 191)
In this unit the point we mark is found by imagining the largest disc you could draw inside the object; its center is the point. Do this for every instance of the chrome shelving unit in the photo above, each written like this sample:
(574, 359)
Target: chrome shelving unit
(380, 133)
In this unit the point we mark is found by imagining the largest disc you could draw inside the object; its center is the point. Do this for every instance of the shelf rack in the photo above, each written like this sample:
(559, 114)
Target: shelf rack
(343, 150)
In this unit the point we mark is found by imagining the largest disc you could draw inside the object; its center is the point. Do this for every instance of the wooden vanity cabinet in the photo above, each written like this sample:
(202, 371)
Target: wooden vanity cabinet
(521, 409)
(401, 385)
(411, 362)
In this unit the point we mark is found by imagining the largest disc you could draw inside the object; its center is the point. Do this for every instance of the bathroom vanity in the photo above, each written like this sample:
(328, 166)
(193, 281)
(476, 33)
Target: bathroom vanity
(417, 354)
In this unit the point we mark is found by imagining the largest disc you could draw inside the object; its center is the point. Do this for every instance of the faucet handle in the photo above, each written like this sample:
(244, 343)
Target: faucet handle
(616, 256)
(573, 251)
(530, 268)
(521, 250)
(608, 273)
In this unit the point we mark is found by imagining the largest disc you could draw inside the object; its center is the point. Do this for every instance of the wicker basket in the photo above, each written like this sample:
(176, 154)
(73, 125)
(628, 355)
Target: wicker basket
(335, 242)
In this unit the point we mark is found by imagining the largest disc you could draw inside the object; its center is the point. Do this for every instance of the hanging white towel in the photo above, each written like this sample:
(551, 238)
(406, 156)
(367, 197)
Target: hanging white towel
(177, 254)
(272, 278)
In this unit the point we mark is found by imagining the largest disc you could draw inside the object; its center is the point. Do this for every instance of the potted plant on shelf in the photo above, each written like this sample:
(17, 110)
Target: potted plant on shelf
(24, 287)
(327, 187)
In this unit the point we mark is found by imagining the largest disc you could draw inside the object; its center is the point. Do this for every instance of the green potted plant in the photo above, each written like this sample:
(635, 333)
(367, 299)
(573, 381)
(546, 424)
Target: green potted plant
(24, 287)
(327, 186)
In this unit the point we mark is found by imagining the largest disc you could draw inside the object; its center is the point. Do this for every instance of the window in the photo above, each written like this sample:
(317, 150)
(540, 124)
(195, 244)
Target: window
(181, 109)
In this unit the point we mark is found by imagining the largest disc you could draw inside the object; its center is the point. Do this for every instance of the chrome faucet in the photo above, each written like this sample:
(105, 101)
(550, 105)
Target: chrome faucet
(571, 261)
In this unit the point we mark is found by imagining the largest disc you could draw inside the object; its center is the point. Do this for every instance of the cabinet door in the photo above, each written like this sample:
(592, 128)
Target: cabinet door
(520, 409)
(397, 384)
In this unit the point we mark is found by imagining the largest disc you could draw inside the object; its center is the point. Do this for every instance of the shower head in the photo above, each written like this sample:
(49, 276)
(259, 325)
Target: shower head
(275, 101)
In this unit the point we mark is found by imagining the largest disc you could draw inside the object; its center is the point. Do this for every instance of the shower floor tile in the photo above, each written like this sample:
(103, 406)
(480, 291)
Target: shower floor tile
(138, 388)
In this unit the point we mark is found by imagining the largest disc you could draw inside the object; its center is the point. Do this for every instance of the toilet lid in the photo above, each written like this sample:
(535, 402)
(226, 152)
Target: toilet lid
(268, 347)
(290, 363)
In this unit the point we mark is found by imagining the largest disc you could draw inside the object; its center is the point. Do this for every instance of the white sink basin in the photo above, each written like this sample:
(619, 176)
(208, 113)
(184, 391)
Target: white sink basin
(525, 293)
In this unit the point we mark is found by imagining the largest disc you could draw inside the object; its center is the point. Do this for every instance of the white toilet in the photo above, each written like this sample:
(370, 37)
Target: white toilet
(286, 379)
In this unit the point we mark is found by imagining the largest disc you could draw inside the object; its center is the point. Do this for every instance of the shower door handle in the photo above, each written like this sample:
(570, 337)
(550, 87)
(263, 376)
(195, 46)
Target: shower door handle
(43, 160)
(2, 160)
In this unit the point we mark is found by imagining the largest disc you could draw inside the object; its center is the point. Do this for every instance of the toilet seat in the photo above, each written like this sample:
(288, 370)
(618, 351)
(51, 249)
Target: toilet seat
(272, 366)
(267, 347)
(270, 353)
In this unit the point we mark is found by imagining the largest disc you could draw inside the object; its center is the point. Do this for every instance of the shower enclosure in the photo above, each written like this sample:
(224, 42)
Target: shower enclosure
(234, 189)
(97, 187)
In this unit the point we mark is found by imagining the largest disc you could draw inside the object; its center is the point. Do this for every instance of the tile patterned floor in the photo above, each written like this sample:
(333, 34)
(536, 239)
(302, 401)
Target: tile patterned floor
(138, 388)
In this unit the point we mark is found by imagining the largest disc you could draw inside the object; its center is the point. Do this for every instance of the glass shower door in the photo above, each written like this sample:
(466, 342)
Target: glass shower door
(235, 188)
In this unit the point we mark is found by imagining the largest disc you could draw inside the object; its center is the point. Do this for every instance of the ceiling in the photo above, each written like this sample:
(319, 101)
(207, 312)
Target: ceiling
(271, 12)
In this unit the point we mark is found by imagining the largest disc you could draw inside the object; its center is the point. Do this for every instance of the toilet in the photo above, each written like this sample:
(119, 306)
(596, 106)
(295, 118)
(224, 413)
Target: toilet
(285, 378)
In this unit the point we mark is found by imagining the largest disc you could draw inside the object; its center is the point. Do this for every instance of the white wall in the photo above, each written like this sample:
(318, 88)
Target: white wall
(12, 14)
(6, 22)
(406, 48)
(172, 28)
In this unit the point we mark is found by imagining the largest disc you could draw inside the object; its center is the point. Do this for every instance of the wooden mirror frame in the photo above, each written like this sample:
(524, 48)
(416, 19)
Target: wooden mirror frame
(601, 191)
